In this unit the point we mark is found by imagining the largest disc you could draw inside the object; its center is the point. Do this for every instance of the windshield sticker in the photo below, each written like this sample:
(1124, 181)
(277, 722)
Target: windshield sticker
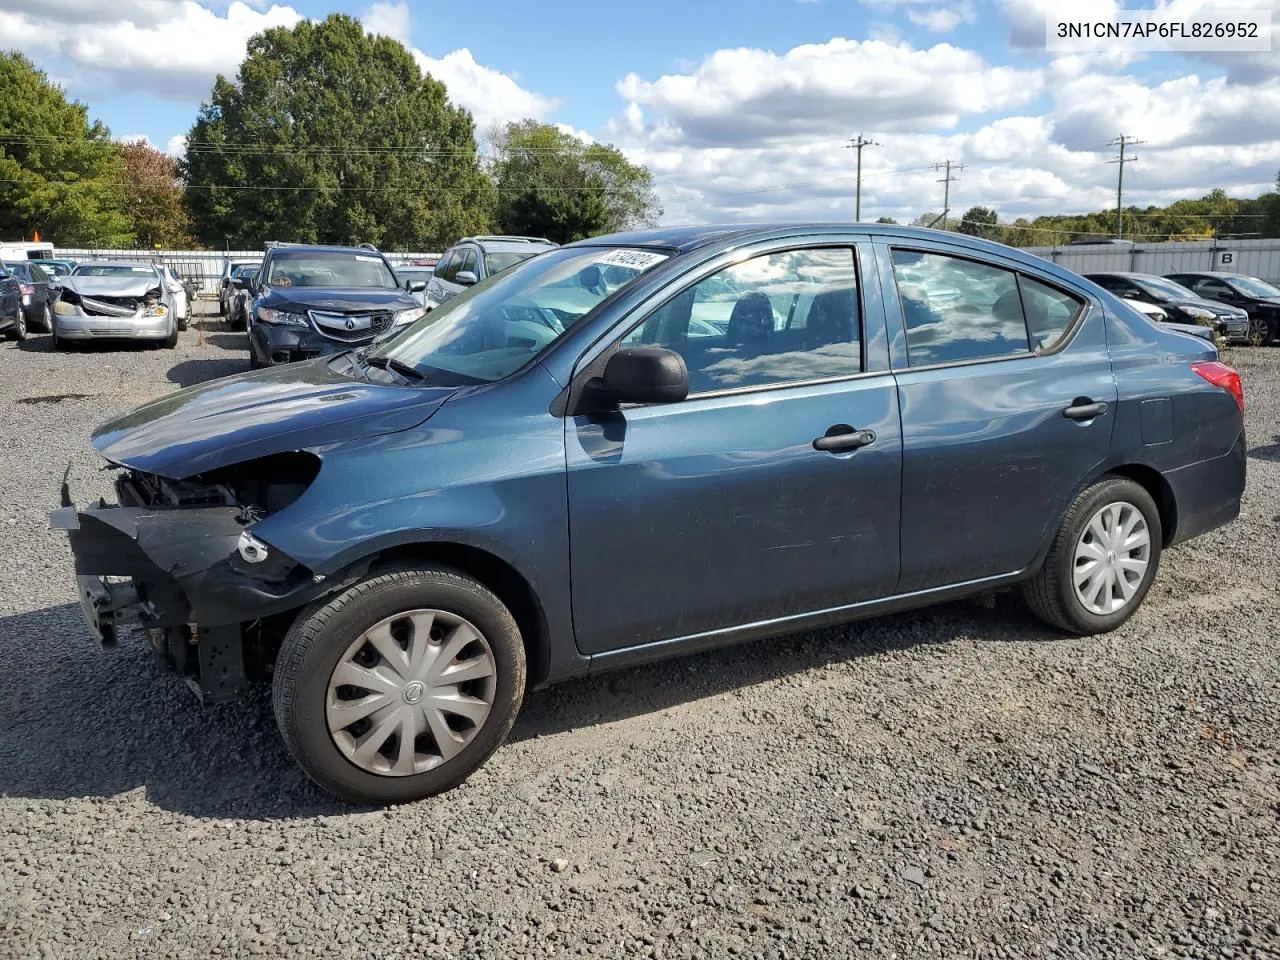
(635, 259)
(365, 259)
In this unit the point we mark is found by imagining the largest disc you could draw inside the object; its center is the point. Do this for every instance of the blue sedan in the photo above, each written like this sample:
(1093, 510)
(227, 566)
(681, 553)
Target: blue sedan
(642, 445)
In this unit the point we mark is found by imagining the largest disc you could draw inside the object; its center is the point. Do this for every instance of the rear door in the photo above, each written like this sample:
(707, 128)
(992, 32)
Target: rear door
(441, 287)
(1008, 402)
(753, 500)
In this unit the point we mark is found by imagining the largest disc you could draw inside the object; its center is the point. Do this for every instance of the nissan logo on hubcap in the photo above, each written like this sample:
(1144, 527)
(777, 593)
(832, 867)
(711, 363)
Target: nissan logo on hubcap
(413, 692)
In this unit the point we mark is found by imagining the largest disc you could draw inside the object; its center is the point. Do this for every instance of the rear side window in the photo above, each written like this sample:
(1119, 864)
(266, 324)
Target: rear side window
(956, 309)
(447, 266)
(469, 261)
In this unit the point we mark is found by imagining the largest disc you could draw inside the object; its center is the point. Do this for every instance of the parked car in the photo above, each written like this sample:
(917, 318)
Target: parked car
(309, 301)
(13, 319)
(57, 268)
(417, 278)
(224, 284)
(1259, 299)
(38, 291)
(103, 300)
(240, 296)
(473, 259)
(1158, 315)
(511, 492)
(1181, 304)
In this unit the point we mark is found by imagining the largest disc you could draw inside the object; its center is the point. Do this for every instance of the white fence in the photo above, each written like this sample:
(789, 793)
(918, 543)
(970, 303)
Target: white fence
(1255, 258)
(202, 266)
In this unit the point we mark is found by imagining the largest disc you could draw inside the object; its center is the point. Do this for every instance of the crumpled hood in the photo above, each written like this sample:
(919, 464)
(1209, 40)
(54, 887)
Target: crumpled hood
(281, 409)
(336, 299)
(111, 286)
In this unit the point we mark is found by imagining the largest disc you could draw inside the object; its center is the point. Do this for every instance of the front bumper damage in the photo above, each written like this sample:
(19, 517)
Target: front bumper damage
(194, 578)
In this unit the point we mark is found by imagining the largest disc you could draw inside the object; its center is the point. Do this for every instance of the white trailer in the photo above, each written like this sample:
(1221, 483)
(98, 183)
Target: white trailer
(1254, 258)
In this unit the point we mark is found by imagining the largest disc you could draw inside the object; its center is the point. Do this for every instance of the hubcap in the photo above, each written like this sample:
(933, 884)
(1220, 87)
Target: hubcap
(411, 692)
(1111, 558)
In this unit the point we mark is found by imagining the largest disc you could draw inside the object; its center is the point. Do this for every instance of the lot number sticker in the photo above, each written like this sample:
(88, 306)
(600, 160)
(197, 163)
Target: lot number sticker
(635, 259)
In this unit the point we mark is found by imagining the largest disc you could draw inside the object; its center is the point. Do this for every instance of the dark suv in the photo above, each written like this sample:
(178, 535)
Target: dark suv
(1181, 304)
(307, 301)
(1259, 299)
(473, 259)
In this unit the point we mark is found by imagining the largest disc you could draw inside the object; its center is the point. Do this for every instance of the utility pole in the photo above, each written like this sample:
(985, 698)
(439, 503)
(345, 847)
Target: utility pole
(1121, 141)
(946, 181)
(858, 144)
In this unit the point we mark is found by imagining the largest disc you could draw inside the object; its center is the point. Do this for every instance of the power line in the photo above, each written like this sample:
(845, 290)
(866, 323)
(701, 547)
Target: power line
(1122, 141)
(858, 144)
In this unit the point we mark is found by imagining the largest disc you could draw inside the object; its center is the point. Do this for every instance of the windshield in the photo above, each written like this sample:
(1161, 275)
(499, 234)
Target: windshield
(497, 262)
(335, 269)
(414, 273)
(248, 270)
(1164, 288)
(496, 327)
(1254, 287)
(112, 270)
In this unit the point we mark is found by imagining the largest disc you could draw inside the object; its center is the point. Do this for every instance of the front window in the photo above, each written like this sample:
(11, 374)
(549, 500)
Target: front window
(1251, 286)
(1160, 287)
(113, 270)
(498, 326)
(497, 262)
(333, 269)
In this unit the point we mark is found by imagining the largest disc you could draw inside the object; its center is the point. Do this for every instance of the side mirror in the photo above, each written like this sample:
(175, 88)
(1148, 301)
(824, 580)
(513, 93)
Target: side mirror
(465, 277)
(240, 283)
(415, 286)
(643, 375)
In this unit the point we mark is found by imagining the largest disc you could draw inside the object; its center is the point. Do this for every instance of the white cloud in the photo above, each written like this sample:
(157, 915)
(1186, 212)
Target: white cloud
(491, 95)
(177, 146)
(942, 19)
(171, 48)
(746, 95)
(389, 20)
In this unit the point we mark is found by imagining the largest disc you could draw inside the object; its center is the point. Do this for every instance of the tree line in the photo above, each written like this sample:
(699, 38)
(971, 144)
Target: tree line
(329, 135)
(326, 135)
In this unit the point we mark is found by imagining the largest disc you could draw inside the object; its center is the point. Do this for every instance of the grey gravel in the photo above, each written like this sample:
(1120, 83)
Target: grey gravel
(955, 782)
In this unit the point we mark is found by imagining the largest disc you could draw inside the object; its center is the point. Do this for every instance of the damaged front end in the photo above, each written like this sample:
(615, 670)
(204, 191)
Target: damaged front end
(179, 558)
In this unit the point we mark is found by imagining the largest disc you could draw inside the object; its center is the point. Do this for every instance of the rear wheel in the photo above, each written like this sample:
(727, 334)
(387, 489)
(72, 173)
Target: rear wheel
(400, 686)
(1102, 561)
(19, 329)
(46, 319)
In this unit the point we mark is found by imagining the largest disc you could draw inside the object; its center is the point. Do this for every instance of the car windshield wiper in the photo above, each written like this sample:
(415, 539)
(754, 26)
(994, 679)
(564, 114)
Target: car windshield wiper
(396, 366)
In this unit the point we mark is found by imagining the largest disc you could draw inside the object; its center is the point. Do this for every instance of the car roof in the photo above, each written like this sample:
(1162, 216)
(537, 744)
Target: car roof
(303, 249)
(1211, 273)
(1131, 274)
(114, 263)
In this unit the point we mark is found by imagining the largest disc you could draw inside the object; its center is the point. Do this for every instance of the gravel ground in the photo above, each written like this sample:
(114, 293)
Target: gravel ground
(956, 782)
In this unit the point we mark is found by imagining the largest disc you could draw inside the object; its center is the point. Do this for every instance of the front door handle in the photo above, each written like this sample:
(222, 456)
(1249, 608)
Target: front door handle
(1082, 408)
(843, 437)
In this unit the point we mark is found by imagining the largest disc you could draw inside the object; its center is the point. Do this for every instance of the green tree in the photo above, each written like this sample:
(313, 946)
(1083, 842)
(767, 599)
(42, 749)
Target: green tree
(552, 184)
(153, 197)
(59, 173)
(330, 135)
(885, 220)
(980, 222)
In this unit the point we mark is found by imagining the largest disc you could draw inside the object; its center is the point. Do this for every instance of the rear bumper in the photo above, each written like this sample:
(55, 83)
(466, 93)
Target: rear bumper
(1207, 494)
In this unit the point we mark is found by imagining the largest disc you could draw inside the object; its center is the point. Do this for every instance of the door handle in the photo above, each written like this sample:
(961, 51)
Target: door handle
(843, 437)
(1082, 408)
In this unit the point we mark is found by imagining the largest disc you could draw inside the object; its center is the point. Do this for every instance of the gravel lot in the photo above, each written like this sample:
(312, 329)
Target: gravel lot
(956, 782)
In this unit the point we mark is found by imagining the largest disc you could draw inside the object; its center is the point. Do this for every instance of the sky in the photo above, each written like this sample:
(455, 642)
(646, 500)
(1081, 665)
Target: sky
(743, 109)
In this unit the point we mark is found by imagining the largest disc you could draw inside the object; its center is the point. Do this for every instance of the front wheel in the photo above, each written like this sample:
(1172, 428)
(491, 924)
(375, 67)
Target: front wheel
(19, 329)
(399, 687)
(1102, 561)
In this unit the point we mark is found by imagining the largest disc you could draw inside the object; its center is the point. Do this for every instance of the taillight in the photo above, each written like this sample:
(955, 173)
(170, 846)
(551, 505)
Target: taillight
(1220, 375)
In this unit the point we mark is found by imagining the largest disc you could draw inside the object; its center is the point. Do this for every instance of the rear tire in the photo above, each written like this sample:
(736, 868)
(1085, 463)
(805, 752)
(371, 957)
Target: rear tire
(1053, 593)
(307, 687)
(19, 329)
(46, 319)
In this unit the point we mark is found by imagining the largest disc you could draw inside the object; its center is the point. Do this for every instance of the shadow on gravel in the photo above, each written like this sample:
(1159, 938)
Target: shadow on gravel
(80, 721)
(229, 340)
(35, 343)
(190, 372)
(1268, 451)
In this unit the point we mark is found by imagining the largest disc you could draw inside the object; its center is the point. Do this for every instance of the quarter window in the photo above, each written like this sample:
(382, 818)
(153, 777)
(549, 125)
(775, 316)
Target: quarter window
(779, 318)
(956, 309)
(469, 262)
(447, 267)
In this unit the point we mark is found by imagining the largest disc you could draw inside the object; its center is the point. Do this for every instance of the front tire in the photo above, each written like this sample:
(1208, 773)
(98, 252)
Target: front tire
(399, 687)
(46, 319)
(1102, 562)
(19, 329)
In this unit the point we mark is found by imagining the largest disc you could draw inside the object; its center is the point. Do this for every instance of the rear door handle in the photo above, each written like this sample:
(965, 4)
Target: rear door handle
(843, 437)
(1082, 408)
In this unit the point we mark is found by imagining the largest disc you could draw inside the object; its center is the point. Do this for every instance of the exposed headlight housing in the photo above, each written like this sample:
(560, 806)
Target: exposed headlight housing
(155, 310)
(1198, 313)
(281, 317)
(64, 309)
(404, 317)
